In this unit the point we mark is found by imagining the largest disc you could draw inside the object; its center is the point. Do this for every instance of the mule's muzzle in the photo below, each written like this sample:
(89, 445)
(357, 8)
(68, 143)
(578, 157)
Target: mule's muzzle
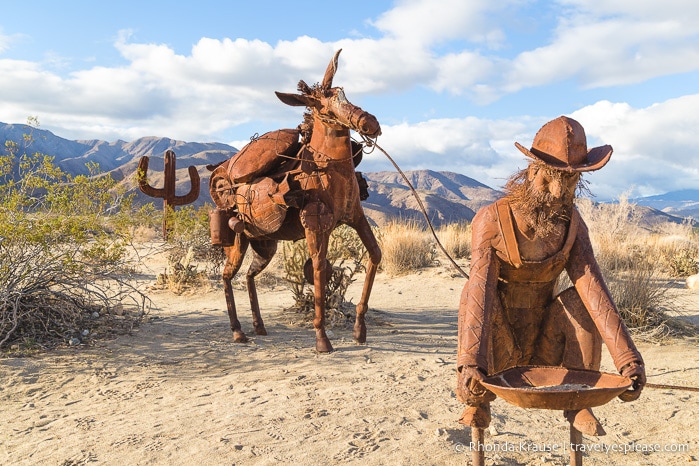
(368, 125)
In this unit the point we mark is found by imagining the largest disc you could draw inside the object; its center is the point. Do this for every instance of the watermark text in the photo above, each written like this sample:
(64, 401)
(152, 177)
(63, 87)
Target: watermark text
(607, 448)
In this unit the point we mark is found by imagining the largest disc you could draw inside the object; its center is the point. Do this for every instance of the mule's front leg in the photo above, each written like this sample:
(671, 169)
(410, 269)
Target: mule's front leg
(369, 240)
(318, 248)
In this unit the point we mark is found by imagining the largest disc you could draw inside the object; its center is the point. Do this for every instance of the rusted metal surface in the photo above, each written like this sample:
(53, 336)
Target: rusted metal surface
(478, 446)
(545, 387)
(510, 314)
(263, 154)
(167, 192)
(295, 183)
(576, 442)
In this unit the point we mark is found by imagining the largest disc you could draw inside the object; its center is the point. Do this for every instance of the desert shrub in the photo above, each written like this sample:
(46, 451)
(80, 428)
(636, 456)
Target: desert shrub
(678, 248)
(682, 261)
(191, 258)
(456, 239)
(405, 247)
(641, 295)
(63, 261)
(633, 266)
(346, 255)
(615, 232)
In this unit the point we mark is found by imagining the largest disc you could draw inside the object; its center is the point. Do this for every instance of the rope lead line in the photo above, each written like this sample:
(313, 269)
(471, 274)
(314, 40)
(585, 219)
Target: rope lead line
(369, 142)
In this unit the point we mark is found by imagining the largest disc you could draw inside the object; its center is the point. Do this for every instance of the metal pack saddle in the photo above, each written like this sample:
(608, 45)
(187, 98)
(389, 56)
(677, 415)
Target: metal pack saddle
(253, 189)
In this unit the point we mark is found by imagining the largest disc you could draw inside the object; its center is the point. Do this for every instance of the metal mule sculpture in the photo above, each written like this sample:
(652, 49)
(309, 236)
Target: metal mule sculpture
(167, 192)
(292, 184)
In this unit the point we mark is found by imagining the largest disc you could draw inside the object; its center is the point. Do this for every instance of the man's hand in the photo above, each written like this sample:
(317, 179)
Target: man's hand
(469, 389)
(637, 373)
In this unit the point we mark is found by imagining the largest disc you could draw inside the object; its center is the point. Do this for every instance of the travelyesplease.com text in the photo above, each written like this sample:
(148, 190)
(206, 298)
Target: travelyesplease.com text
(607, 448)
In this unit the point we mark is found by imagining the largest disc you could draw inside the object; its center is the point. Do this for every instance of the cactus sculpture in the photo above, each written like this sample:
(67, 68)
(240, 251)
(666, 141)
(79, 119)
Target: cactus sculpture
(167, 192)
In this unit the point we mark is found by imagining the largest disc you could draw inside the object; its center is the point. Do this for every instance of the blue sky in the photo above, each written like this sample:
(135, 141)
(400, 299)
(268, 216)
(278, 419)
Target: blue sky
(454, 83)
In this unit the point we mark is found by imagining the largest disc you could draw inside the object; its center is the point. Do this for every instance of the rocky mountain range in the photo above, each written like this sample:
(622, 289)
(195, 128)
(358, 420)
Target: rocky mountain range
(447, 197)
(682, 203)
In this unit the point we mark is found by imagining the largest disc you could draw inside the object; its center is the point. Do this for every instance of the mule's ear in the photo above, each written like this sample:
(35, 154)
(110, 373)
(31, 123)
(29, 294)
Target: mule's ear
(296, 100)
(330, 71)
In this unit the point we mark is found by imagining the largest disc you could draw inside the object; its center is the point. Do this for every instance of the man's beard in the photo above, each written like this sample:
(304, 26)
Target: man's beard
(541, 211)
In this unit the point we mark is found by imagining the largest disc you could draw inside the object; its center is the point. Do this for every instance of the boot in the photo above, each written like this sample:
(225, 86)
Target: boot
(476, 416)
(585, 421)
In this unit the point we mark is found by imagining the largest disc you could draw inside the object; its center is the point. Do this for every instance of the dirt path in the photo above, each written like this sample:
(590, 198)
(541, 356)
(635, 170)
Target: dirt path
(178, 391)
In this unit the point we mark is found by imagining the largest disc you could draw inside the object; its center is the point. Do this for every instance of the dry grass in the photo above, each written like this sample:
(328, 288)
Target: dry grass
(456, 239)
(405, 247)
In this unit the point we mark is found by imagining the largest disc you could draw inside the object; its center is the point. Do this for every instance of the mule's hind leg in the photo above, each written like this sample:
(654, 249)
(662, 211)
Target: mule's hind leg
(234, 258)
(369, 240)
(263, 253)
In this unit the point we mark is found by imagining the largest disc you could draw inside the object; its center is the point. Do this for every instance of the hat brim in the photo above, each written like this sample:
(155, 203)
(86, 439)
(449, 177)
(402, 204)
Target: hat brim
(596, 158)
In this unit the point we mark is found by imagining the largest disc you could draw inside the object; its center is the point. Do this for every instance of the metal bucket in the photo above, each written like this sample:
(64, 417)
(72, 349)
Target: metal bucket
(221, 233)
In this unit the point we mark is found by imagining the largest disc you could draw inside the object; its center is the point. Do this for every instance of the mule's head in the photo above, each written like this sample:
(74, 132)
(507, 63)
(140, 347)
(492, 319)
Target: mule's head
(331, 106)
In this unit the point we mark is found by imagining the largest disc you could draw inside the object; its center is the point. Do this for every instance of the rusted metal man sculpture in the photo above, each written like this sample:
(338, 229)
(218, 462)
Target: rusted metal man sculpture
(167, 192)
(291, 184)
(509, 313)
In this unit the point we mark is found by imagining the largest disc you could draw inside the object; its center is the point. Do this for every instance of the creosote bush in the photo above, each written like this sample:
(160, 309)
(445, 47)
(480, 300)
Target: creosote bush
(346, 254)
(63, 261)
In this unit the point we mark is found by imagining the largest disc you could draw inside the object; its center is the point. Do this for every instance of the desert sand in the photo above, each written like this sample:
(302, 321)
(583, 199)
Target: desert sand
(178, 391)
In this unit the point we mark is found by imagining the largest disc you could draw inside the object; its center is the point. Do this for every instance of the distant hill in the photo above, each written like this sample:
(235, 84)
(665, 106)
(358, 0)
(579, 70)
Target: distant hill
(448, 197)
(682, 203)
(121, 158)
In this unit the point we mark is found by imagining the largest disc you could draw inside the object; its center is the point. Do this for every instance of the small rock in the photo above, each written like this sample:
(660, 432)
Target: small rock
(95, 315)
(493, 431)
(692, 282)
(74, 341)
(439, 361)
(85, 332)
(330, 334)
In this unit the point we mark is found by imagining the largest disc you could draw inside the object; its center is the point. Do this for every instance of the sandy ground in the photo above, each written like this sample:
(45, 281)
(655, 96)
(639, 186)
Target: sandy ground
(179, 391)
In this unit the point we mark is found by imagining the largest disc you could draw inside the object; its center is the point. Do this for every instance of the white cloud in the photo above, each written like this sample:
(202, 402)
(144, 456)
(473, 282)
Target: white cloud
(7, 41)
(427, 23)
(613, 43)
(479, 148)
(462, 73)
(653, 146)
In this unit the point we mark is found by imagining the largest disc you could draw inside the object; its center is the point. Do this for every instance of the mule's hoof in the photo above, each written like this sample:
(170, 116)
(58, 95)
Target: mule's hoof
(359, 333)
(239, 337)
(260, 331)
(323, 345)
